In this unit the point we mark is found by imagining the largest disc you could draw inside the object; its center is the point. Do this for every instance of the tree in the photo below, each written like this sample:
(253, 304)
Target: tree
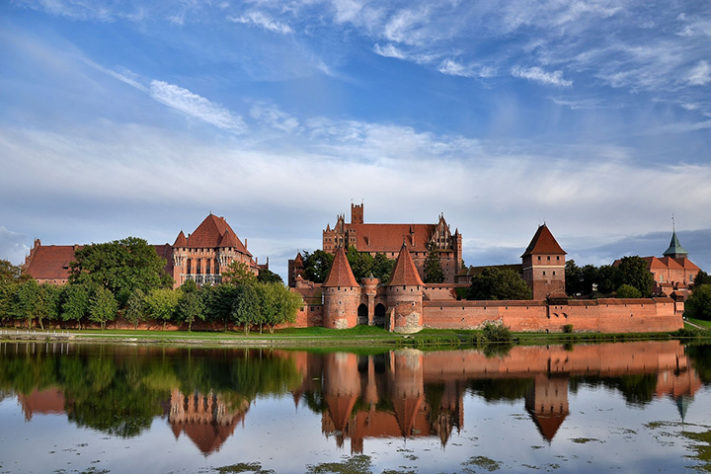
(496, 284)
(7, 297)
(698, 305)
(49, 303)
(8, 271)
(218, 302)
(628, 291)
(361, 263)
(634, 271)
(383, 267)
(135, 307)
(102, 306)
(26, 302)
(238, 273)
(702, 278)
(573, 278)
(120, 266)
(190, 308)
(247, 307)
(74, 302)
(607, 279)
(433, 268)
(317, 265)
(277, 305)
(161, 304)
(268, 276)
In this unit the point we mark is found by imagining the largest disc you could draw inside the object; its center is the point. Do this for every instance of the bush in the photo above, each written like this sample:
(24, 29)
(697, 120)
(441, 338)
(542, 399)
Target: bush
(628, 291)
(496, 333)
(567, 328)
(699, 303)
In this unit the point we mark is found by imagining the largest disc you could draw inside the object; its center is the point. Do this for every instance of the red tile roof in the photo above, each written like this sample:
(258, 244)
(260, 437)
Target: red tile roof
(50, 262)
(543, 242)
(405, 272)
(210, 233)
(389, 237)
(341, 273)
(688, 264)
(181, 241)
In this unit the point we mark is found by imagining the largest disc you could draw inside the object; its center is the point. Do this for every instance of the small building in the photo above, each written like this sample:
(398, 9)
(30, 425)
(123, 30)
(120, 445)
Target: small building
(674, 272)
(544, 265)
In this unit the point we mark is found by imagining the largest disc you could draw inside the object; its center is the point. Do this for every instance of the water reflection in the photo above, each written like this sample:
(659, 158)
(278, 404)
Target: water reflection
(206, 394)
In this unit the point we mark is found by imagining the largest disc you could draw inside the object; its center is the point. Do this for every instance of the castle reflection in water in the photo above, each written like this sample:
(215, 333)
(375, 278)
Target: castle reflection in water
(410, 393)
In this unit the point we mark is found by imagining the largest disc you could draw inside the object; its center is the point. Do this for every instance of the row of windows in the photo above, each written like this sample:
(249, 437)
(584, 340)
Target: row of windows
(548, 258)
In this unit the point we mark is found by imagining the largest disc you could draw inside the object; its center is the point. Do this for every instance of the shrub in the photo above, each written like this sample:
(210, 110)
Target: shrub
(496, 333)
(567, 328)
(628, 291)
(699, 303)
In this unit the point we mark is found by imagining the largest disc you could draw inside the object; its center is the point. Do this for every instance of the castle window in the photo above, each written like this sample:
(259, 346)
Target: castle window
(548, 258)
(539, 258)
(557, 257)
(544, 273)
(553, 272)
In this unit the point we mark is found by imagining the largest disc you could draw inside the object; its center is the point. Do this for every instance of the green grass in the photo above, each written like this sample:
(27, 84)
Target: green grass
(700, 322)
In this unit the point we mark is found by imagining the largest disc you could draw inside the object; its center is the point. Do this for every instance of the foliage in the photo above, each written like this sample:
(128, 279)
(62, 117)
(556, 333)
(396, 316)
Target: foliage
(496, 333)
(383, 267)
(190, 307)
(496, 284)
(7, 295)
(317, 265)
(161, 304)
(120, 266)
(74, 302)
(238, 273)
(628, 291)
(26, 301)
(49, 304)
(248, 306)
(135, 307)
(268, 276)
(361, 263)
(433, 268)
(702, 278)
(567, 328)
(218, 301)
(634, 271)
(8, 271)
(189, 286)
(102, 306)
(698, 305)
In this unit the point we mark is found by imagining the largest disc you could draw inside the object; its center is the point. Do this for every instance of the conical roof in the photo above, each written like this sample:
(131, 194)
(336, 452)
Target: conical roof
(181, 241)
(543, 242)
(405, 272)
(228, 240)
(341, 273)
(675, 249)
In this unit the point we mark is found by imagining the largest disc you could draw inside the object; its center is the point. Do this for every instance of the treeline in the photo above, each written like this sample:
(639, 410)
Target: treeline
(126, 279)
(630, 279)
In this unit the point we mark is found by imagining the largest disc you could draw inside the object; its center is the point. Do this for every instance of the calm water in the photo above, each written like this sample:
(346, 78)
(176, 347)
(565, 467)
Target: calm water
(633, 407)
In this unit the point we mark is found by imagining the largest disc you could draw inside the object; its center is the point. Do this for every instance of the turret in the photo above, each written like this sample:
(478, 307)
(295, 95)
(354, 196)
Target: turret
(544, 265)
(404, 295)
(341, 294)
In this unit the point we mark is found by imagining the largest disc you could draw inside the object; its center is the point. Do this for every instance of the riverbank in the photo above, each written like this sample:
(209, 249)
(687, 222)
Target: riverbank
(318, 337)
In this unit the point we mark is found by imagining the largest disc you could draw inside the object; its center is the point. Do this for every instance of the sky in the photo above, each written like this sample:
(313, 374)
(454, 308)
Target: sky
(139, 118)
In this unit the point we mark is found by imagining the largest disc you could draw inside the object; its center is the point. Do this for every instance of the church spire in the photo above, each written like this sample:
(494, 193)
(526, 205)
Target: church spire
(675, 249)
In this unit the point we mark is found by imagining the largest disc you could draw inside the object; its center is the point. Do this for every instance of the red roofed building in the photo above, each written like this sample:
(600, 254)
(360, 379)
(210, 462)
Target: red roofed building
(388, 238)
(203, 255)
(544, 265)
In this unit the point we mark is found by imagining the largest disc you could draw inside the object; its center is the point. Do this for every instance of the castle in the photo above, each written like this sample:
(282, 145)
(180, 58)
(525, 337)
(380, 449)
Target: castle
(202, 256)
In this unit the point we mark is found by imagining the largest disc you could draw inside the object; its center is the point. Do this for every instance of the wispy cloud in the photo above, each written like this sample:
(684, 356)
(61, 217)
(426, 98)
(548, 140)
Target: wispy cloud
(453, 68)
(195, 106)
(537, 74)
(389, 50)
(274, 117)
(700, 75)
(263, 20)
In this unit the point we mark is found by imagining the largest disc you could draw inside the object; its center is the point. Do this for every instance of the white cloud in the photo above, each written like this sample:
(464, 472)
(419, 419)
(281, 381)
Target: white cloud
(195, 106)
(274, 117)
(259, 18)
(700, 75)
(13, 246)
(389, 50)
(453, 68)
(537, 74)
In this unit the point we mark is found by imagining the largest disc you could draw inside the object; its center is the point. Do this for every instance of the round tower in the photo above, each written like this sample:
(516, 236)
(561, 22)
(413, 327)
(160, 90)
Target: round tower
(370, 289)
(341, 294)
(404, 295)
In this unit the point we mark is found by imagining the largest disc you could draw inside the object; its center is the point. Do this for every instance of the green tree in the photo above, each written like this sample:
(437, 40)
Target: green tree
(120, 266)
(161, 304)
(8, 271)
(268, 276)
(49, 304)
(383, 267)
(607, 279)
(218, 302)
(135, 311)
(277, 305)
(573, 278)
(102, 306)
(27, 301)
(238, 273)
(8, 288)
(191, 308)
(702, 278)
(496, 284)
(628, 291)
(74, 302)
(634, 271)
(698, 305)
(433, 268)
(247, 307)
(317, 265)
(361, 263)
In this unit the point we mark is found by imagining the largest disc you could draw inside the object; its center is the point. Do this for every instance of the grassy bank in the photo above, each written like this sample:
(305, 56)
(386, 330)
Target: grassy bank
(319, 337)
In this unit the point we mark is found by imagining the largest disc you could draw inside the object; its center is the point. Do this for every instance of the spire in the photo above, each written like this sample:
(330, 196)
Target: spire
(181, 241)
(405, 272)
(341, 273)
(543, 242)
(675, 249)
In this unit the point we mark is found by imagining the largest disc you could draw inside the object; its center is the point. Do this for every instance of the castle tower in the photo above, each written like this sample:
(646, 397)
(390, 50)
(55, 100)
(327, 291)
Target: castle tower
(341, 294)
(357, 213)
(675, 249)
(404, 295)
(370, 289)
(547, 403)
(544, 265)
(408, 389)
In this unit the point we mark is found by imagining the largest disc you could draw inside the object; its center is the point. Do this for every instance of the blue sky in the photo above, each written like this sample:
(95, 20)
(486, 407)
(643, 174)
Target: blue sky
(139, 118)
